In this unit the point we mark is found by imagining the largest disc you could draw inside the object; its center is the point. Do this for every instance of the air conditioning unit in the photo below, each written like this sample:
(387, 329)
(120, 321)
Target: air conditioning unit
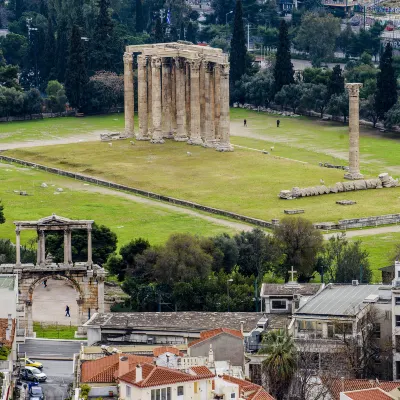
(296, 297)
(354, 282)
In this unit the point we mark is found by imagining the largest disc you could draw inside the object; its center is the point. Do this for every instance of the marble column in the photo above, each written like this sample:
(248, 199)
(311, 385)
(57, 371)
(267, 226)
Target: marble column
(209, 135)
(69, 234)
(166, 98)
(354, 131)
(202, 94)
(195, 134)
(38, 249)
(149, 99)
(181, 134)
(186, 72)
(174, 127)
(29, 328)
(142, 98)
(42, 248)
(66, 245)
(18, 246)
(224, 122)
(129, 99)
(217, 100)
(156, 100)
(100, 294)
(89, 246)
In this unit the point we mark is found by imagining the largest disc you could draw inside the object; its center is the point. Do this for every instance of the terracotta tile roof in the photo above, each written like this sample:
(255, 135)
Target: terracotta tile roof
(335, 386)
(157, 351)
(104, 370)
(249, 390)
(369, 394)
(3, 328)
(202, 371)
(205, 335)
(153, 375)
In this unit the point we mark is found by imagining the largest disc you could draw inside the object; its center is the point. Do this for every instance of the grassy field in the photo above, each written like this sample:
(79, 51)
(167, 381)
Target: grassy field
(47, 331)
(127, 218)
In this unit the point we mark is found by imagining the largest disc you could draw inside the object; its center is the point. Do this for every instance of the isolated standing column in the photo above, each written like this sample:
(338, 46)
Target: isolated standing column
(156, 99)
(129, 99)
(142, 98)
(209, 138)
(354, 131)
(195, 135)
(181, 134)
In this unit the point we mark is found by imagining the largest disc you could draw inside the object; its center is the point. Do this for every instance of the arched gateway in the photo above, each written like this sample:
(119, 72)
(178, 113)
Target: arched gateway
(87, 278)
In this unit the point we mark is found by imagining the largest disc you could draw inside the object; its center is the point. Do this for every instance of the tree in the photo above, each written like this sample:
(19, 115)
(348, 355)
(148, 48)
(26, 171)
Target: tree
(112, 88)
(9, 76)
(76, 76)
(32, 102)
(50, 45)
(62, 49)
(280, 362)
(386, 84)
(238, 54)
(221, 7)
(14, 48)
(392, 117)
(128, 253)
(139, 16)
(339, 106)
(345, 40)
(158, 33)
(283, 70)
(301, 243)
(191, 33)
(290, 96)
(336, 81)
(368, 110)
(102, 56)
(19, 8)
(317, 35)
(8, 256)
(11, 102)
(317, 75)
(2, 217)
(315, 97)
(56, 98)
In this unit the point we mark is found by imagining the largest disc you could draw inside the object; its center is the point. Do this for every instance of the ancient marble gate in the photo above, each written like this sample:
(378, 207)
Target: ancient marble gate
(87, 278)
(183, 94)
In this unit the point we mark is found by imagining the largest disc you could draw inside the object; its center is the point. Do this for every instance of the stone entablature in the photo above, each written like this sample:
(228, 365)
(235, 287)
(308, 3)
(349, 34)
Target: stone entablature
(183, 94)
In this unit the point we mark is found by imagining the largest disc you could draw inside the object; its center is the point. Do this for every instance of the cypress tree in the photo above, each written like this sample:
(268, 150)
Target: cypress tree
(182, 32)
(76, 77)
(49, 46)
(62, 49)
(386, 84)
(19, 8)
(102, 43)
(336, 81)
(238, 55)
(191, 33)
(158, 34)
(2, 217)
(139, 16)
(283, 71)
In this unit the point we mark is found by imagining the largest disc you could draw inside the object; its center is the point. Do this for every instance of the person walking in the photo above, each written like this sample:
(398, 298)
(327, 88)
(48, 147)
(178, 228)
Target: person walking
(67, 312)
(278, 123)
(245, 123)
(45, 283)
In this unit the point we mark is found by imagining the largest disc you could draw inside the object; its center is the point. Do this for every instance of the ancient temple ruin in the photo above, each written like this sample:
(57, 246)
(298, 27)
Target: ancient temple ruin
(183, 94)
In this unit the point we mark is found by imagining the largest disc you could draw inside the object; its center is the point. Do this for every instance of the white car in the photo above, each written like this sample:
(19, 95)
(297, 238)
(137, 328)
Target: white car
(33, 374)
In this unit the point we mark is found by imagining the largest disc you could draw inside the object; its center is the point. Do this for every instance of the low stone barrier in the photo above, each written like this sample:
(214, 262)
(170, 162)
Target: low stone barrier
(106, 137)
(383, 180)
(290, 212)
(364, 222)
(328, 165)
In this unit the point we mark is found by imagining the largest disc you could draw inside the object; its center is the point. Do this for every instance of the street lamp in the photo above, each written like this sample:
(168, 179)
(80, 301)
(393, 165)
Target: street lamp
(227, 289)
(226, 17)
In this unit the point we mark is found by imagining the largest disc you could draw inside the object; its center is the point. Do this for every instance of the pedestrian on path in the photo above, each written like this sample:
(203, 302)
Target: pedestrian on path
(245, 123)
(278, 123)
(45, 283)
(67, 312)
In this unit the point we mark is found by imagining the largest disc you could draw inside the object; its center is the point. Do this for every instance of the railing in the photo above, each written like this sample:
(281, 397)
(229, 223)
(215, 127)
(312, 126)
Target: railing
(187, 362)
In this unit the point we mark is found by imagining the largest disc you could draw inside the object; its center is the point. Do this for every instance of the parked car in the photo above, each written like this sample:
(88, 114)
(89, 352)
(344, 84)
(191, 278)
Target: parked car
(33, 374)
(36, 393)
(32, 363)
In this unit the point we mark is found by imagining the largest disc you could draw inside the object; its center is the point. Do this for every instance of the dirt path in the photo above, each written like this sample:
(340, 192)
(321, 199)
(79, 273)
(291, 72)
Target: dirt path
(367, 231)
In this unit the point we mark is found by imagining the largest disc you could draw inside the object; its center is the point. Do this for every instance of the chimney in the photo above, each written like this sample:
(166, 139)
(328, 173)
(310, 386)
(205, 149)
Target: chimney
(241, 326)
(9, 322)
(139, 373)
(211, 355)
(123, 365)
(8, 334)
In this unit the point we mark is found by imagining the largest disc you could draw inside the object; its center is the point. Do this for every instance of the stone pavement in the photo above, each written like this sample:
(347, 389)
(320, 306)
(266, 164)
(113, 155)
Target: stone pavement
(49, 303)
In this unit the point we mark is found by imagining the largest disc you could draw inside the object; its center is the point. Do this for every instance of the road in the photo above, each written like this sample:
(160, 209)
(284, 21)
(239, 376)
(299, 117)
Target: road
(54, 349)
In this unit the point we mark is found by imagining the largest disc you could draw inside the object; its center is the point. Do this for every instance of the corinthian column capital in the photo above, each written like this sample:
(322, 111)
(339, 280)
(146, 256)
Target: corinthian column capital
(128, 59)
(155, 62)
(225, 69)
(353, 89)
(142, 61)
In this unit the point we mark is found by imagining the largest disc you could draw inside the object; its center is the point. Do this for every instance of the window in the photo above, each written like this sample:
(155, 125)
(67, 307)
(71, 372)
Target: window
(397, 300)
(397, 320)
(377, 331)
(180, 390)
(278, 304)
(196, 387)
(161, 394)
(128, 392)
(233, 395)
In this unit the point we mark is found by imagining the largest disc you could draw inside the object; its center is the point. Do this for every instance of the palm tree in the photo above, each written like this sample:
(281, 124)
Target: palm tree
(280, 364)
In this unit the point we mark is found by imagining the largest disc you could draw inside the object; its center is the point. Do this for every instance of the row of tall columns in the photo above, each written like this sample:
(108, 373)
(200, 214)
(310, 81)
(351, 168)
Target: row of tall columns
(181, 99)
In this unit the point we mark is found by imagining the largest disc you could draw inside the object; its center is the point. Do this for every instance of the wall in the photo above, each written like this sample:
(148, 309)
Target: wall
(102, 391)
(226, 348)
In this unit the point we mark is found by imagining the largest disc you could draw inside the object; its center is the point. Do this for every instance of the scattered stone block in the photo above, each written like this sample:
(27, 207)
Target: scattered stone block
(290, 212)
(23, 193)
(60, 189)
(44, 185)
(285, 194)
(346, 202)
(360, 185)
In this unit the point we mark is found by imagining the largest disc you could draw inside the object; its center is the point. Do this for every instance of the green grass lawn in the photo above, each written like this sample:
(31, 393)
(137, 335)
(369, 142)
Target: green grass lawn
(56, 331)
(126, 218)
(53, 128)
(243, 181)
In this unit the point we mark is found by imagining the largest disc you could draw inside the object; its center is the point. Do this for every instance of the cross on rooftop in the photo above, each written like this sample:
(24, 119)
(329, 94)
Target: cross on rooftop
(291, 272)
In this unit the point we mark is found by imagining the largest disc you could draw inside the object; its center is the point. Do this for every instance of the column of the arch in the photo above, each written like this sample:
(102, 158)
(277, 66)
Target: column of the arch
(166, 98)
(69, 234)
(18, 246)
(195, 134)
(174, 127)
(100, 293)
(38, 249)
(156, 99)
(29, 327)
(66, 245)
(42, 248)
(181, 133)
(89, 249)
(129, 99)
(217, 100)
(149, 99)
(224, 144)
(186, 72)
(202, 94)
(142, 98)
(209, 138)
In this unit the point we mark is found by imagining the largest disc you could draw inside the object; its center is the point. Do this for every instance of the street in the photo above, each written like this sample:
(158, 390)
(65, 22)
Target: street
(54, 349)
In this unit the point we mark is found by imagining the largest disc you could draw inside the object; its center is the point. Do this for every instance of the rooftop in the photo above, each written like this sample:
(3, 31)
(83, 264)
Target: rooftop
(8, 281)
(249, 390)
(157, 351)
(215, 332)
(338, 300)
(369, 394)
(181, 321)
(275, 289)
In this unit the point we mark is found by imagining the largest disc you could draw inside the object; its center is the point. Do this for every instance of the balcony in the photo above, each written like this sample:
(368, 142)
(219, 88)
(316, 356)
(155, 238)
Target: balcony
(20, 334)
(20, 310)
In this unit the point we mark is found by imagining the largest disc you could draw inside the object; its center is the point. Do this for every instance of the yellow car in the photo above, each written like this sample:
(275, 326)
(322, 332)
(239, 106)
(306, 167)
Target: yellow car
(32, 363)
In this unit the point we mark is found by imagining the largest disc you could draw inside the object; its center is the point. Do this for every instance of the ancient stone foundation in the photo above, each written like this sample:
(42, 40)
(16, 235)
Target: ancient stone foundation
(183, 94)
(384, 180)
